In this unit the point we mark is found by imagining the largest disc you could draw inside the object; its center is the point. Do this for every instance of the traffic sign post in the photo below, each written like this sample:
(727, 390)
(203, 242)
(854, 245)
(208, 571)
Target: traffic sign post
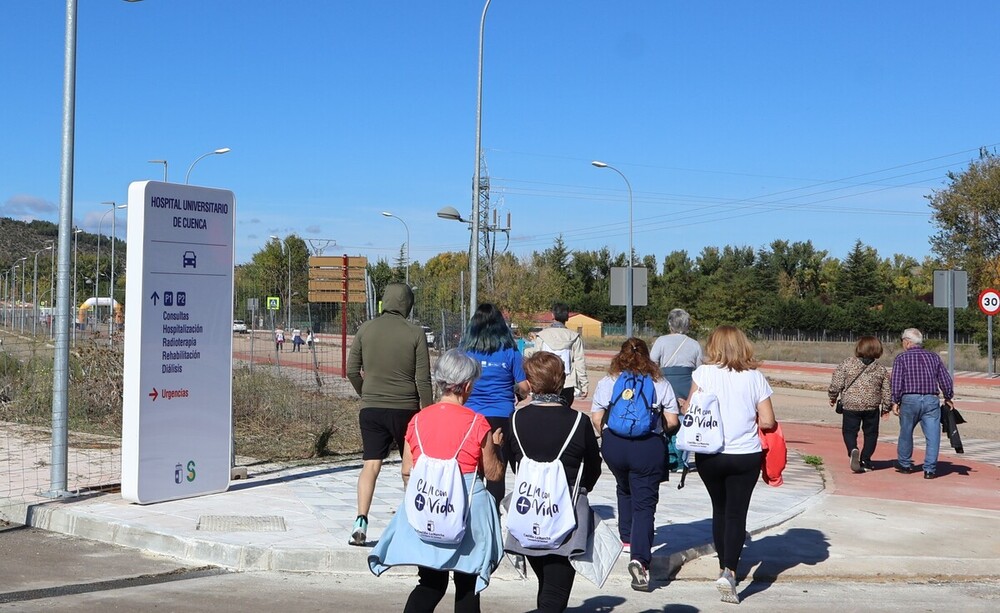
(338, 279)
(989, 303)
(177, 397)
(951, 291)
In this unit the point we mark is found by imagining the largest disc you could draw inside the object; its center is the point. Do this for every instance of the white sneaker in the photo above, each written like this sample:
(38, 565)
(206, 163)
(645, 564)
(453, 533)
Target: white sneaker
(856, 461)
(360, 532)
(726, 584)
(640, 576)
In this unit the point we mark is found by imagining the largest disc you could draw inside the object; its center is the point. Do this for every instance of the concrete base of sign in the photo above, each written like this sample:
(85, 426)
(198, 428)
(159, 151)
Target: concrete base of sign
(237, 472)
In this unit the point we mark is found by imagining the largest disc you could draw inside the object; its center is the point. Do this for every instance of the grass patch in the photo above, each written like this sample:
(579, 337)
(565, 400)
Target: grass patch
(275, 418)
(813, 460)
(278, 420)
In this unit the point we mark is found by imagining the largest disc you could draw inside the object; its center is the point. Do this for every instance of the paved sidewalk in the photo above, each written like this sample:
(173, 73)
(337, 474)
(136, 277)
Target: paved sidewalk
(302, 518)
(822, 524)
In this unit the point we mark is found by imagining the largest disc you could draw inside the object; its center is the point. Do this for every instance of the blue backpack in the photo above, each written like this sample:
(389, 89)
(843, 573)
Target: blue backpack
(631, 412)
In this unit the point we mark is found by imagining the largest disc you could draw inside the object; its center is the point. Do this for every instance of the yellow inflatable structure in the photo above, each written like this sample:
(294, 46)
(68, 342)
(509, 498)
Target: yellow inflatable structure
(104, 301)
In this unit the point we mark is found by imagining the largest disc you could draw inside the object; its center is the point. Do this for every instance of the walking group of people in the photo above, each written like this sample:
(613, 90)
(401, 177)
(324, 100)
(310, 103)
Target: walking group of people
(455, 451)
(864, 392)
(297, 339)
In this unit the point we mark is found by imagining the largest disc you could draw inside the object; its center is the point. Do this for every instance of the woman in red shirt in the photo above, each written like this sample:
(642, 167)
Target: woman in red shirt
(440, 430)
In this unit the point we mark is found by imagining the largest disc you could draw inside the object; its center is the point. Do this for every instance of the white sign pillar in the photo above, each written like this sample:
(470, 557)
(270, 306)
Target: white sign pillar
(177, 401)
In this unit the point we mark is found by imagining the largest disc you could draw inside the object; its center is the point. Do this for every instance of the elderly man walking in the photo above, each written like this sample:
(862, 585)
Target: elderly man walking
(917, 375)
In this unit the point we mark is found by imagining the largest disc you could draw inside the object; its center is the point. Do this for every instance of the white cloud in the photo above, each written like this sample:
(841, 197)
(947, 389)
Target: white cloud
(28, 208)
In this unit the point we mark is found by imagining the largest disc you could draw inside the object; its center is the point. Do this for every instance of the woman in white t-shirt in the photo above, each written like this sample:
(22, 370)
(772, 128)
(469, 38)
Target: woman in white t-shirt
(730, 372)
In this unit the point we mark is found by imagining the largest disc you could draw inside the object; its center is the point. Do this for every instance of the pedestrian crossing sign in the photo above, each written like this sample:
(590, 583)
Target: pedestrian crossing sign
(273, 303)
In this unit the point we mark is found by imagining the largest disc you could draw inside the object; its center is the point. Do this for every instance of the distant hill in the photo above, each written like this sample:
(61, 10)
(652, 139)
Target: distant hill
(20, 239)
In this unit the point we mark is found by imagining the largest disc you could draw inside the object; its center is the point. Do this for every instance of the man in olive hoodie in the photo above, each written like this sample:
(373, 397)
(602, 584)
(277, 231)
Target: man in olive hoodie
(389, 367)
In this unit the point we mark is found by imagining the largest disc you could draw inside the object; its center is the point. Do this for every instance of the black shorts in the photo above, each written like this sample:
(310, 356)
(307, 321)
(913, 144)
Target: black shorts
(380, 428)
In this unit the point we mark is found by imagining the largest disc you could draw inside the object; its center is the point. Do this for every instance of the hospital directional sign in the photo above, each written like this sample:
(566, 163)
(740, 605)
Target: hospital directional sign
(177, 400)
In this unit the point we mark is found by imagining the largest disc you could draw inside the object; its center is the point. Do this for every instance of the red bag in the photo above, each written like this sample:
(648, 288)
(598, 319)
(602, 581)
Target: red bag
(774, 456)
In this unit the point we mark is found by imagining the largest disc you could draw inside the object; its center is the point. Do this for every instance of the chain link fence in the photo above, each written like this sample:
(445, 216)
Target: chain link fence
(290, 400)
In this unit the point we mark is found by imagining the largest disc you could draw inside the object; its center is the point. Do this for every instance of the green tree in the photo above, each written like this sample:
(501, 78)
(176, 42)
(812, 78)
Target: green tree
(861, 279)
(967, 216)
(381, 275)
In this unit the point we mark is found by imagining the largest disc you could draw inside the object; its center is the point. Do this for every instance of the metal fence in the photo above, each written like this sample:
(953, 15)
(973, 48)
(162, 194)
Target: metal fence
(785, 334)
(94, 459)
(290, 401)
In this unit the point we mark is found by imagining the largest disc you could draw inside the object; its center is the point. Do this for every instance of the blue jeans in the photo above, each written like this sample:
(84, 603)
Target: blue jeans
(924, 409)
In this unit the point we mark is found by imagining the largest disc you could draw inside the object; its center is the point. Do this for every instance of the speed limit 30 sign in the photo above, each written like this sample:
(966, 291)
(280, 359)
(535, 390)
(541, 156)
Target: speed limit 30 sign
(989, 301)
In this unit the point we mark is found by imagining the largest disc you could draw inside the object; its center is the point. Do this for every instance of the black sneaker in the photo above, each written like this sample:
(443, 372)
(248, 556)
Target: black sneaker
(867, 467)
(928, 475)
(906, 470)
(856, 460)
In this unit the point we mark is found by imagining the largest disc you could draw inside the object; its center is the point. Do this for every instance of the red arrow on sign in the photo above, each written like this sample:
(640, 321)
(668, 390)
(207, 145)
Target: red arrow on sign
(154, 394)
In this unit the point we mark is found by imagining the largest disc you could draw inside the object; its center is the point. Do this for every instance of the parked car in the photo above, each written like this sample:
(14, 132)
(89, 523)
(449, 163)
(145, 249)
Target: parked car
(239, 326)
(429, 334)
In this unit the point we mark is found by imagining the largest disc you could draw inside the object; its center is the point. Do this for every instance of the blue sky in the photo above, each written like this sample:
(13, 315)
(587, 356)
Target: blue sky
(735, 122)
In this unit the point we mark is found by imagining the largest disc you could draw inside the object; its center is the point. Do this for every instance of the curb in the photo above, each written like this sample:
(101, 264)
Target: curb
(52, 517)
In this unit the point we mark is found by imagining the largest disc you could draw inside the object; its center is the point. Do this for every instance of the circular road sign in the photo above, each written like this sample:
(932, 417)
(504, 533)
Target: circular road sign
(989, 301)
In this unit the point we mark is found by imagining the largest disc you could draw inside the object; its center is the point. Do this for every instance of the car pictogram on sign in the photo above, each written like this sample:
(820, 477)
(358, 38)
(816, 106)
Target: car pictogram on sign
(189, 259)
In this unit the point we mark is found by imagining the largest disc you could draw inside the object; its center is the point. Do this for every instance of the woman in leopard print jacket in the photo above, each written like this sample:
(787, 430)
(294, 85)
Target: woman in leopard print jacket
(863, 388)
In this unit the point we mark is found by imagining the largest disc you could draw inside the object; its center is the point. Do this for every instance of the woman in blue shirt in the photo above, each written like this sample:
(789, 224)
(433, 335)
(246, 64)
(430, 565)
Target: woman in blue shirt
(488, 340)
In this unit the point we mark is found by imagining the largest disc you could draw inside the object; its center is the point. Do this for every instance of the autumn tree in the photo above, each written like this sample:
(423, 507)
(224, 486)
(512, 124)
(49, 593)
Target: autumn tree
(967, 216)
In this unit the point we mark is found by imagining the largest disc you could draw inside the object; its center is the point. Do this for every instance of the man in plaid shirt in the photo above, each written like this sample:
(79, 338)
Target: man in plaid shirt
(917, 374)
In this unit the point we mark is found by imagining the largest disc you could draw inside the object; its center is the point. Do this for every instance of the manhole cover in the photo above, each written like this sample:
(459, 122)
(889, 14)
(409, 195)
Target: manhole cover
(241, 523)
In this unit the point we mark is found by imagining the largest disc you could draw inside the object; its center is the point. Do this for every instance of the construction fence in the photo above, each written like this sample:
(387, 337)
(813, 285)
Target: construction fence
(291, 401)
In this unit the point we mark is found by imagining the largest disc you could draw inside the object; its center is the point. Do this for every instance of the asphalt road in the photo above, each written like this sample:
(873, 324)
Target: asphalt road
(49, 572)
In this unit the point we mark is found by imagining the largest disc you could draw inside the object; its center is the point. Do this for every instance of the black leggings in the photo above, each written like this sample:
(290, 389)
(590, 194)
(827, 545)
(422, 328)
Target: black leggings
(867, 422)
(555, 582)
(431, 588)
(499, 488)
(729, 479)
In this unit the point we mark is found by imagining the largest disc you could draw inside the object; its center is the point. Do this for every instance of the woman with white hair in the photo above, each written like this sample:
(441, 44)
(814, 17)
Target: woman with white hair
(444, 430)
(677, 353)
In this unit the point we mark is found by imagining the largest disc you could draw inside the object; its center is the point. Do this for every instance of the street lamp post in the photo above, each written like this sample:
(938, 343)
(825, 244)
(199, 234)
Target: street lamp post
(629, 299)
(8, 318)
(76, 234)
(388, 214)
(164, 162)
(52, 293)
(34, 294)
(97, 267)
(24, 267)
(58, 474)
(111, 283)
(288, 305)
(474, 243)
(201, 157)
(12, 293)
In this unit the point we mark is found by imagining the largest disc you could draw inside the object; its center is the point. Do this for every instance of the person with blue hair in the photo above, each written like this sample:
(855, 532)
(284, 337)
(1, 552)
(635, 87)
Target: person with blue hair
(489, 341)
